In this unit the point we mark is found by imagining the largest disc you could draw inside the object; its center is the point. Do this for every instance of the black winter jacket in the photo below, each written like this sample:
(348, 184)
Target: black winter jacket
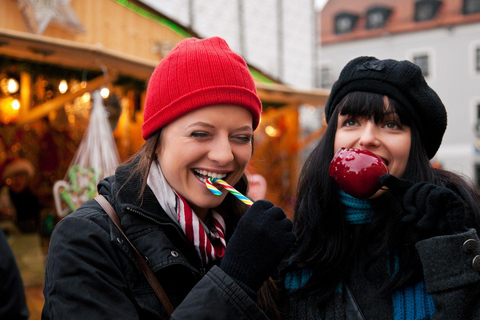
(12, 295)
(91, 272)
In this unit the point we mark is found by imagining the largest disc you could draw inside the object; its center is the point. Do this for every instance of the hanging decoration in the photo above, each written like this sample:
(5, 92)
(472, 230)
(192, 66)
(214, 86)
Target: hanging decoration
(95, 158)
(38, 14)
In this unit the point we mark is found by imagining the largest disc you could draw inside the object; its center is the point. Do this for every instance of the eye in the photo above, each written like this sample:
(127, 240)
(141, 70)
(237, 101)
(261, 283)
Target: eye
(243, 138)
(350, 122)
(199, 134)
(392, 125)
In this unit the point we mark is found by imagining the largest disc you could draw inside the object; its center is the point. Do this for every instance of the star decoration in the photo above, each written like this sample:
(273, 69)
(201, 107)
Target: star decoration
(38, 14)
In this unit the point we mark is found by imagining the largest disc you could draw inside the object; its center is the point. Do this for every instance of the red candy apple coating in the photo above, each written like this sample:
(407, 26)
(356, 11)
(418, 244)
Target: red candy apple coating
(357, 171)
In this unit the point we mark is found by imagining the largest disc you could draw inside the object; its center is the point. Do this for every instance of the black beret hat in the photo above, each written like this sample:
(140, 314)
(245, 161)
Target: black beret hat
(404, 82)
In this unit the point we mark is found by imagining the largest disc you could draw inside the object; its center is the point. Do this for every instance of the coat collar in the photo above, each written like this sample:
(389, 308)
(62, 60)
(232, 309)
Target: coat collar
(144, 218)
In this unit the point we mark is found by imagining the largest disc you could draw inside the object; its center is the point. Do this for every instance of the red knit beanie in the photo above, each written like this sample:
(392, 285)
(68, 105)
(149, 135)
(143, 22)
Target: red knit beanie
(195, 74)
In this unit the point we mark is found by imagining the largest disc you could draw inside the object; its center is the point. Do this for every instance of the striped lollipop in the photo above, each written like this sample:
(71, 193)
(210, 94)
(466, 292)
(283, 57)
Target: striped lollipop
(232, 190)
(212, 188)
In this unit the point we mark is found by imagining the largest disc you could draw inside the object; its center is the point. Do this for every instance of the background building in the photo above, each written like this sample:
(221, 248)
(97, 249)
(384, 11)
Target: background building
(442, 37)
(276, 36)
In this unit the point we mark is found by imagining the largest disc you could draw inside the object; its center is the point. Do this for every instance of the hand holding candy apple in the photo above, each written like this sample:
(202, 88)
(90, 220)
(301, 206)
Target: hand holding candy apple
(357, 171)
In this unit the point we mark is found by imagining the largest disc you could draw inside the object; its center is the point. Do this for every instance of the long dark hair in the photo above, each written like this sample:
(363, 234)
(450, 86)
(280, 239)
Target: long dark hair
(328, 245)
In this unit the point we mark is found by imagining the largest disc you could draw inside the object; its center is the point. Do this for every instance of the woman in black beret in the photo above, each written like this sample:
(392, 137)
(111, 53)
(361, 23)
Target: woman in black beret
(410, 250)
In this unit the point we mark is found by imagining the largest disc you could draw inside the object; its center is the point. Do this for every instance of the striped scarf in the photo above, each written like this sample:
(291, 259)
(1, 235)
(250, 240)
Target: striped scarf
(208, 241)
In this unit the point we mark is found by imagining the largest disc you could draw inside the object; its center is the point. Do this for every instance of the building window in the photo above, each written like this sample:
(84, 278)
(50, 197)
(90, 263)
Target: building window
(471, 6)
(422, 62)
(323, 78)
(426, 9)
(477, 123)
(345, 22)
(477, 59)
(377, 17)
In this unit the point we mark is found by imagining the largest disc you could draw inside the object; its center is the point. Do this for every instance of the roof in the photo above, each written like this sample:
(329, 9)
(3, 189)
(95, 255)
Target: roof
(85, 54)
(401, 19)
(69, 53)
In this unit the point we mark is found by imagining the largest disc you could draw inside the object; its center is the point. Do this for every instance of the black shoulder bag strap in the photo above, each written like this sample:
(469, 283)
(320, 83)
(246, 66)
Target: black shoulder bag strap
(152, 280)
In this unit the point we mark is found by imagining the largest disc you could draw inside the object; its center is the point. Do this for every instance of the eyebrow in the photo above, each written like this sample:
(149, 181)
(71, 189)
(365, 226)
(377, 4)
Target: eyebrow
(207, 125)
(244, 128)
(200, 123)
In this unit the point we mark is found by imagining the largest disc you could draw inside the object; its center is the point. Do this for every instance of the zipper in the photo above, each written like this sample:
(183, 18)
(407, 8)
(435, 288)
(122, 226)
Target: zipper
(163, 224)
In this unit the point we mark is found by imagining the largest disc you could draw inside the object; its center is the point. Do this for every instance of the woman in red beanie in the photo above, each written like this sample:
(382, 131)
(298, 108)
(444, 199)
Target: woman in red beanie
(209, 253)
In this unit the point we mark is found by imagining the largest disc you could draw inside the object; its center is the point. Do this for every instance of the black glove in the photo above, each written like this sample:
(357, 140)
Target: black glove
(430, 209)
(262, 238)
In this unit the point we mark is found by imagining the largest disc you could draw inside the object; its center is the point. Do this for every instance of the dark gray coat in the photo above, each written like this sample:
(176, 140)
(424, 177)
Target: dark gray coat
(92, 274)
(451, 267)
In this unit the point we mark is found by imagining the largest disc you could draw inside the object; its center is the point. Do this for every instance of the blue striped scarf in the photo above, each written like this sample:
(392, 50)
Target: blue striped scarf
(410, 303)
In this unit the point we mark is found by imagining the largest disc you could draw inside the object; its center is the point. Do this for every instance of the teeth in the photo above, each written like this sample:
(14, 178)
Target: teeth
(210, 174)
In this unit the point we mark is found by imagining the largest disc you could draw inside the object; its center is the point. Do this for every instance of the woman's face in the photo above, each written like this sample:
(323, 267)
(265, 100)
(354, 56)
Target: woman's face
(388, 139)
(214, 141)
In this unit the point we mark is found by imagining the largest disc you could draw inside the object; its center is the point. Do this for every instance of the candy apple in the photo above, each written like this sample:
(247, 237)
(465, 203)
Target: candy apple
(357, 171)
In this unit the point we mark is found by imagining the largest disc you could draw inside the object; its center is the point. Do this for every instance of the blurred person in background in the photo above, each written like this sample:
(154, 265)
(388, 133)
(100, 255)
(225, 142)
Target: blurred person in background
(19, 206)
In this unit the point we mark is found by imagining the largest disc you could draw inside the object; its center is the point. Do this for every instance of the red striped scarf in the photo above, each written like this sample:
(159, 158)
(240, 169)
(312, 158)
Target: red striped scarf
(210, 243)
(208, 240)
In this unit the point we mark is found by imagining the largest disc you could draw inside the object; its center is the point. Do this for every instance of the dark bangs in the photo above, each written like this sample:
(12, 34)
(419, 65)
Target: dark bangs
(369, 105)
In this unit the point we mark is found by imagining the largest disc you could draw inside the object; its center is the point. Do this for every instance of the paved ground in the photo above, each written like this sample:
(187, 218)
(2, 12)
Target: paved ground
(34, 302)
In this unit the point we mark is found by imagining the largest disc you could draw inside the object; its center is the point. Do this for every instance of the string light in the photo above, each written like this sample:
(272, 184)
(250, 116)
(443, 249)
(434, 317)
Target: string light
(12, 85)
(63, 86)
(9, 86)
(9, 110)
(15, 104)
(271, 131)
(104, 92)
(86, 97)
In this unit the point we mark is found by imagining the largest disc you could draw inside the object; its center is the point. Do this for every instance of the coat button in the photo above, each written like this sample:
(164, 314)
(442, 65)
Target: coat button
(470, 246)
(476, 263)
(174, 253)
(119, 240)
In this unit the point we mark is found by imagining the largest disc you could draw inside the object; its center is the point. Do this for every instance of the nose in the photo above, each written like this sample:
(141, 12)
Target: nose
(369, 137)
(221, 151)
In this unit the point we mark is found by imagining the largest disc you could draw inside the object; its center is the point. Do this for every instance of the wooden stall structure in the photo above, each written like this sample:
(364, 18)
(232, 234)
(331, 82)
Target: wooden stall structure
(280, 139)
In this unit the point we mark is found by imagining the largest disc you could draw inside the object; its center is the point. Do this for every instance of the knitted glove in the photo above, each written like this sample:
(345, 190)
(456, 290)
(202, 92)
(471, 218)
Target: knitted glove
(430, 210)
(262, 238)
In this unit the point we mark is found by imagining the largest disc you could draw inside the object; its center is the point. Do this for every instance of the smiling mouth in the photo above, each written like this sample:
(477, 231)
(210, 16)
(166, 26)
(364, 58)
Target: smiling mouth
(203, 175)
